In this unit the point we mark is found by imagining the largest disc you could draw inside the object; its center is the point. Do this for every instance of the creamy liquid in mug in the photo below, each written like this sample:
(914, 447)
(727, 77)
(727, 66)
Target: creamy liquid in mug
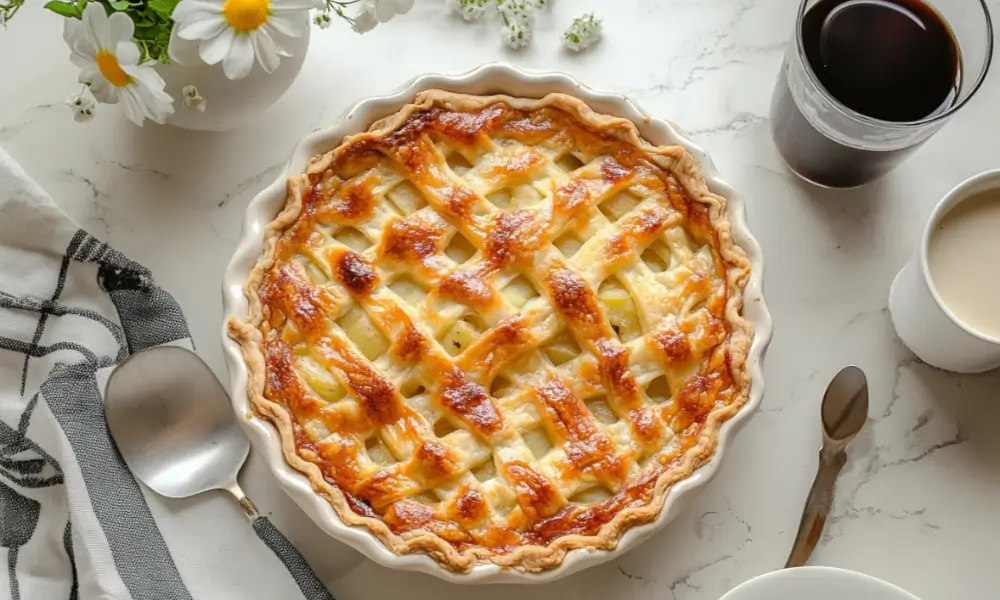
(964, 261)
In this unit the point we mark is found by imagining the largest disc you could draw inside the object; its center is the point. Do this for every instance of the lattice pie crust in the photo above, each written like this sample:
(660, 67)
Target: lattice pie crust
(498, 329)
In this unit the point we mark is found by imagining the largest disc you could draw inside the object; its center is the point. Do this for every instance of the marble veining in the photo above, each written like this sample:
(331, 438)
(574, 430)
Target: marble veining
(916, 503)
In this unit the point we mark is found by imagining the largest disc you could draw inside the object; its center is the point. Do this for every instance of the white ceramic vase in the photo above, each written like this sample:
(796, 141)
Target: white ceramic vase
(228, 103)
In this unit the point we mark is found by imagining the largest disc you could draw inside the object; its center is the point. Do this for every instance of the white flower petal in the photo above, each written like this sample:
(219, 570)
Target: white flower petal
(120, 28)
(365, 20)
(174, 46)
(239, 61)
(79, 40)
(403, 6)
(385, 10)
(277, 6)
(132, 106)
(205, 28)
(95, 21)
(148, 78)
(287, 25)
(277, 38)
(127, 54)
(263, 47)
(154, 106)
(192, 10)
(103, 91)
(214, 50)
(82, 63)
(87, 74)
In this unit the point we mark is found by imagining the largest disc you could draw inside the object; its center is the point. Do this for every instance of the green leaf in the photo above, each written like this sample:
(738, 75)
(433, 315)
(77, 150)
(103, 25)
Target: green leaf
(80, 5)
(119, 5)
(163, 7)
(64, 9)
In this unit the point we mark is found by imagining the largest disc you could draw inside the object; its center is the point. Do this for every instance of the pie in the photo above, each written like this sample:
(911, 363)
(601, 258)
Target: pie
(497, 329)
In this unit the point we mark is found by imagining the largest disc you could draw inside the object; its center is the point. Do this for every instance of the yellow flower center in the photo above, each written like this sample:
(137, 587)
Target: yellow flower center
(112, 71)
(245, 15)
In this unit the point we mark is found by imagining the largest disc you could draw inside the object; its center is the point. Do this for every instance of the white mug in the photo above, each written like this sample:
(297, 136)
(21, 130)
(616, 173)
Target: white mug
(928, 327)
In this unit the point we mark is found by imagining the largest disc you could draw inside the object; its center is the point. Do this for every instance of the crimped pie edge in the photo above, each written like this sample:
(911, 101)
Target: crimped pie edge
(529, 558)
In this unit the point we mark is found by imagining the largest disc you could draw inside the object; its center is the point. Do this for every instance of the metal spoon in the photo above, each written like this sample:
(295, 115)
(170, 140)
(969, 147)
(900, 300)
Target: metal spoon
(175, 428)
(844, 412)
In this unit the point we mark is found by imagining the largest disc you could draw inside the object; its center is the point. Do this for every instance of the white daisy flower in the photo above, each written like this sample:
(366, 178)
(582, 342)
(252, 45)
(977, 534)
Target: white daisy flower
(108, 59)
(236, 31)
(192, 99)
(584, 32)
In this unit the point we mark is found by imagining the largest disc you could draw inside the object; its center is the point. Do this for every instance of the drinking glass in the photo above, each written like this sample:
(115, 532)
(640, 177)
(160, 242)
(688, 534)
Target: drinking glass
(829, 144)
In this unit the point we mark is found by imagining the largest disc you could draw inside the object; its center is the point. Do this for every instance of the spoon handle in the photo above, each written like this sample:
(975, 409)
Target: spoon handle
(312, 588)
(310, 585)
(818, 504)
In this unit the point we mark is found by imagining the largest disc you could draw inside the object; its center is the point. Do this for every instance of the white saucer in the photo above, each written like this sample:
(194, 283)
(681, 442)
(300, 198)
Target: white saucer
(817, 583)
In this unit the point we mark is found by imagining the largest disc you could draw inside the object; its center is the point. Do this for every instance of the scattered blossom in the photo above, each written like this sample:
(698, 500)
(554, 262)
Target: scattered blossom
(519, 21)
(365, 20)
(82, 115)
(584, 32)
(387, 9)
(323, 20)
(83, 106)
(80, 101)
(470, 10)
(193, 99)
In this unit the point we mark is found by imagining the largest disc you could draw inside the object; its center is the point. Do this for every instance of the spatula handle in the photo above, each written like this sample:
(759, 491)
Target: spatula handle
(312, 588)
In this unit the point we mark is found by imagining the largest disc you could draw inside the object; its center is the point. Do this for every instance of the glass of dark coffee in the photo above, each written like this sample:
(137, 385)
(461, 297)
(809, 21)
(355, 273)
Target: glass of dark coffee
(866, 82)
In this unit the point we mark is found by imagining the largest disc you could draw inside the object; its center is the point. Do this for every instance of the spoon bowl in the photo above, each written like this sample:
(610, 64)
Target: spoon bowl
(845, 405)
(173, 423)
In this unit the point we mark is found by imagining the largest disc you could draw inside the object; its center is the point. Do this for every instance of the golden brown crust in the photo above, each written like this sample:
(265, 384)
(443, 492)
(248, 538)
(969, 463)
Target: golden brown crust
(702, 350)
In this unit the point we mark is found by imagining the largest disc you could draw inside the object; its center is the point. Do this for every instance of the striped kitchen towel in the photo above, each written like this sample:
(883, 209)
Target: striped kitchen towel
(74, 522)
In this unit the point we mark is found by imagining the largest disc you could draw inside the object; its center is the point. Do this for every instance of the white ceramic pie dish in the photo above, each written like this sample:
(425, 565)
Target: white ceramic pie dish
(488, 79)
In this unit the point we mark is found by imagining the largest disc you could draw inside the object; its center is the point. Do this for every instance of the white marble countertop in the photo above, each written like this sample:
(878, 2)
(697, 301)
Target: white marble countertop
(917, 503)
